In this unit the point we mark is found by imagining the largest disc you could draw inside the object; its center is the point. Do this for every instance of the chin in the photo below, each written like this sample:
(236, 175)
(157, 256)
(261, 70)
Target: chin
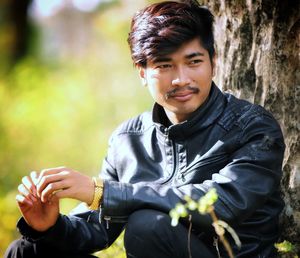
(184, 111)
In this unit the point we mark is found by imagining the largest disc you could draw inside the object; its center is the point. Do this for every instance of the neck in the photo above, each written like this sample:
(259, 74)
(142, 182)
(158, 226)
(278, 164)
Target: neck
(175, 118)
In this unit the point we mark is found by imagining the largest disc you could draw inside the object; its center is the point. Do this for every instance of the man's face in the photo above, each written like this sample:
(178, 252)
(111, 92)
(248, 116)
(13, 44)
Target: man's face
(181, 81)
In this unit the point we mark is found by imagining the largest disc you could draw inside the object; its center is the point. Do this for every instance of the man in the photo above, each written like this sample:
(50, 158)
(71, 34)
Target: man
(196, 138)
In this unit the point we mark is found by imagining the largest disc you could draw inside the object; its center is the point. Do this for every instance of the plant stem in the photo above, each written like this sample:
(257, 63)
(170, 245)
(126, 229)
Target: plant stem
(222, 237)
(189, 236)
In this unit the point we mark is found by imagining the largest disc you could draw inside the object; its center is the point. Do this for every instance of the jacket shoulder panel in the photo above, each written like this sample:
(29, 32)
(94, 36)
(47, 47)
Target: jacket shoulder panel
(239, 112)
(135, 125)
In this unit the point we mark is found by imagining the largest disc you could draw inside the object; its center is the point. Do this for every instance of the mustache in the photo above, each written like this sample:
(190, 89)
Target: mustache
(171, 93)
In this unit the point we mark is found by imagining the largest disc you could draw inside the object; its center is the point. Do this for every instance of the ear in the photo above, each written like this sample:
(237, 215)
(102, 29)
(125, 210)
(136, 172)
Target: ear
(142, 74)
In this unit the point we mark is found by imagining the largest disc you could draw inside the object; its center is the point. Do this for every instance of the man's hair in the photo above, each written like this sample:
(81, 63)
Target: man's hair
(160, 29)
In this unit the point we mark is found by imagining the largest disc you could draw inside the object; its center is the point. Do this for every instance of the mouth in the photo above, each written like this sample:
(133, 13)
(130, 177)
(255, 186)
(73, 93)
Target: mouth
(182, 94)
(185, 96)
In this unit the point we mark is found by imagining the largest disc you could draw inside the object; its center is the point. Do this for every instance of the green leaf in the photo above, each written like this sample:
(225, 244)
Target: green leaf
(284, 247)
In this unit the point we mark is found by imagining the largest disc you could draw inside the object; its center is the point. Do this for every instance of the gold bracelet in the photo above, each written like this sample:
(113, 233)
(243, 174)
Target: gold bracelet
(98, 192)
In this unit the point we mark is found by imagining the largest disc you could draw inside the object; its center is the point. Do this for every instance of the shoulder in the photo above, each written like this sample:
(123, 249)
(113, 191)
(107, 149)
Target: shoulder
(135, 125)
(241, 112)
(252, 120)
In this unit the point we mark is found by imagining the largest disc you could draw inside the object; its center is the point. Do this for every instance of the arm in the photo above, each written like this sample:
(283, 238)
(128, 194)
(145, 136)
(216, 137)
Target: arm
(79, 232)
(75, 233)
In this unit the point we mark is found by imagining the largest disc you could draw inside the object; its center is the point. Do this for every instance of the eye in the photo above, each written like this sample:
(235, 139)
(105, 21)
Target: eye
(163, 66)
(195, 61)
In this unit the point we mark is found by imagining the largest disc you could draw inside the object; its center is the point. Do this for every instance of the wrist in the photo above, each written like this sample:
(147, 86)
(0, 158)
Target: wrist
(98, 193)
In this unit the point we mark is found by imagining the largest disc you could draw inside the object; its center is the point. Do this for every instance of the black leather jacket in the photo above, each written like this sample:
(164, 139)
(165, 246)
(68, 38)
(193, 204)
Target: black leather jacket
(229, 144)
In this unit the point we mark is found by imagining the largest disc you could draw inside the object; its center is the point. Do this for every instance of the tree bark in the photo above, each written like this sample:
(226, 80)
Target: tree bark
(257, 44)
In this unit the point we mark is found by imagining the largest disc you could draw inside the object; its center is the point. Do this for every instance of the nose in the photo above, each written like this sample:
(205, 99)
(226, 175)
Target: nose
(181, 78)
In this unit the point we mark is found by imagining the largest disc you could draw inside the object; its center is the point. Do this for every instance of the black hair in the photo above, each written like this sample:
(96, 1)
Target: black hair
(161, 28)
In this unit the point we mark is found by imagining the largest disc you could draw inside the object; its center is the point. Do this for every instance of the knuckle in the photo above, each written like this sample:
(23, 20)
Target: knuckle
(65, 172)
(51, 186)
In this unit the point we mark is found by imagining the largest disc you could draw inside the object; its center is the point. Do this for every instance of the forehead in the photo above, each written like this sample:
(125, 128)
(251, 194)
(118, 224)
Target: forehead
(189, 47)
(186, 50)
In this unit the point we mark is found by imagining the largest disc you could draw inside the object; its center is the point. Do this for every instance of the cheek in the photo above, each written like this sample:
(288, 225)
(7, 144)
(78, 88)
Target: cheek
(155, 91)
(157, 85)
(203, 78)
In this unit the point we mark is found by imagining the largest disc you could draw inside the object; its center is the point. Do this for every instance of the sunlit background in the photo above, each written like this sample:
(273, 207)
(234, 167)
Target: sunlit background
(66, 81)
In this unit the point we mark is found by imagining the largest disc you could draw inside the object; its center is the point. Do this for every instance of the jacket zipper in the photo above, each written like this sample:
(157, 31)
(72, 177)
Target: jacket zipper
(174, 156)
(116, 219)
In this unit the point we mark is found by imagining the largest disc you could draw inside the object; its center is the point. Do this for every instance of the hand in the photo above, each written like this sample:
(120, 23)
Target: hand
(65, 183)
(40, 216)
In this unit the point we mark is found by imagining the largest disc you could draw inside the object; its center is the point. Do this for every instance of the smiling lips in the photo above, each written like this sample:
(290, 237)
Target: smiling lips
(182, 94)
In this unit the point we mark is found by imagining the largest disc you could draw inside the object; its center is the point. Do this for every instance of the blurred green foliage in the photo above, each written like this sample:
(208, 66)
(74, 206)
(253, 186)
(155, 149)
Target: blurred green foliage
(62, 113)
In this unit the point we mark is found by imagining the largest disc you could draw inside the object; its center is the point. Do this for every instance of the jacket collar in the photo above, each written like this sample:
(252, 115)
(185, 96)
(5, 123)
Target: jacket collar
(203, 117)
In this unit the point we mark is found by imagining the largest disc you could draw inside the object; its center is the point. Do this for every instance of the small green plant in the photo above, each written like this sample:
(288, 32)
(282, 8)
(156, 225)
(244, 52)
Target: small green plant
(286, 247)
(205, 205)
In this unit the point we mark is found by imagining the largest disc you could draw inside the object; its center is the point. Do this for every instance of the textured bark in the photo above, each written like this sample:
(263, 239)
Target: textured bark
(258, 59)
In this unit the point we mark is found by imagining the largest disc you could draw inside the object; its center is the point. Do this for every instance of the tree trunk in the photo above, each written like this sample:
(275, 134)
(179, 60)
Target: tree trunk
(258, 59)
(19, 20)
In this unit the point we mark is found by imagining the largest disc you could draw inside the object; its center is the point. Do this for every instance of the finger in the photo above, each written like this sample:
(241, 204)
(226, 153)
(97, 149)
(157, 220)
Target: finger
(23, 201)
(24, 191)
(65, 193)
(52, 189)
(27, 182)
(34, 177)
(50, 171)
(49, 179)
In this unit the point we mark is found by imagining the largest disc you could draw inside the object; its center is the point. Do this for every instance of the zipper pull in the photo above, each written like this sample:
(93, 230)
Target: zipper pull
(100, 215)
(107, 219)
(183, 177)
(166, 132)
(167, 140)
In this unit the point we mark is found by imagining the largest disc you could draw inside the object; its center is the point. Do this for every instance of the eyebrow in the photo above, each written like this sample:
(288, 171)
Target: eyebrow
(168, 59)
(195, 54)
(162, 59)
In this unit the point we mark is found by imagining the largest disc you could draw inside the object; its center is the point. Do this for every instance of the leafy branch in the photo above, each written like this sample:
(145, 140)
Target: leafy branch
(205, 206)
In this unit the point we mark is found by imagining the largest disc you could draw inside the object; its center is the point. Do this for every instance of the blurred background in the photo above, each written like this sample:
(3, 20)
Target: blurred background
(66, 81)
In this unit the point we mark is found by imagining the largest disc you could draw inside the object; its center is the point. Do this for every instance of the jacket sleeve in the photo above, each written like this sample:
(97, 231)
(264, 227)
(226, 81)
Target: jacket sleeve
(78, 233)
(243, 185)
(82, 231)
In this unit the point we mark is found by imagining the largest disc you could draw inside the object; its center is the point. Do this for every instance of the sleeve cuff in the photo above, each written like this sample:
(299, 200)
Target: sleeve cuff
(32, 235)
